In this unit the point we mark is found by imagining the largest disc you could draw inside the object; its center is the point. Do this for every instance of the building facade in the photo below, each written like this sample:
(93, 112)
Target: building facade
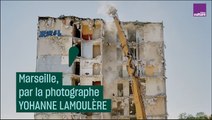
(101, 62)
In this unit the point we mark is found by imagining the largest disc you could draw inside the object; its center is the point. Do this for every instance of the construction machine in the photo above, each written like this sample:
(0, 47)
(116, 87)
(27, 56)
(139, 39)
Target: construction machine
(137, 93)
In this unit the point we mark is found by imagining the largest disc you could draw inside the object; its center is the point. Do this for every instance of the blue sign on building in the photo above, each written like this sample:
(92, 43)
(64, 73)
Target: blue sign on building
(50, 33)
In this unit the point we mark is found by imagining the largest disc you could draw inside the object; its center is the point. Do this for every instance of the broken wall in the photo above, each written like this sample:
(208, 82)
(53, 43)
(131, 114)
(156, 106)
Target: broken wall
(55, 37)
(101, 62)
(145, 42)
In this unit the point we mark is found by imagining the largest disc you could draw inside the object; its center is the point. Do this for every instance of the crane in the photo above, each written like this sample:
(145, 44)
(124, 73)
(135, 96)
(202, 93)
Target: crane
(137, 96)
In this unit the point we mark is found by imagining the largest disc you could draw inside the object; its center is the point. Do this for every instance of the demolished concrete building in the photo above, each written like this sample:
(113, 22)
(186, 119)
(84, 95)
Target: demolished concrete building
(101, 62)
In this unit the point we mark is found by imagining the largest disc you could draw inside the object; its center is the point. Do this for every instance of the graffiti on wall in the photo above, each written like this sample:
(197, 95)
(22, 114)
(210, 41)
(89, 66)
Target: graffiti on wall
(50, 33)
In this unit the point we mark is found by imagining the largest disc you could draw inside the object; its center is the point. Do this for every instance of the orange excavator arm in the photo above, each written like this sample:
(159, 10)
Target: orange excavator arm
(137, 93)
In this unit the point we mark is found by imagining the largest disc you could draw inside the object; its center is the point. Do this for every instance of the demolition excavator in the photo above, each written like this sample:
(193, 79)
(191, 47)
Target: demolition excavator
(137, 93)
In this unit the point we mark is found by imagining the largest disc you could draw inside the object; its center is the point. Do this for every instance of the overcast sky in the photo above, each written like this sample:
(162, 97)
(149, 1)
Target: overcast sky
(187, 53)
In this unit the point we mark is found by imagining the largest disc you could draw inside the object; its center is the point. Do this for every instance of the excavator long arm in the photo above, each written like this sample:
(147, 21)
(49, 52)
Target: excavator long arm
(137, 93)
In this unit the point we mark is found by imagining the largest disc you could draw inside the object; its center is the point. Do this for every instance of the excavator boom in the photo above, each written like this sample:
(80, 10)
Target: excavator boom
(137, 93)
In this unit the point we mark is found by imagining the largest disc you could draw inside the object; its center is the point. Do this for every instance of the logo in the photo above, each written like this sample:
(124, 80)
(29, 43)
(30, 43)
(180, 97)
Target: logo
(199, 9)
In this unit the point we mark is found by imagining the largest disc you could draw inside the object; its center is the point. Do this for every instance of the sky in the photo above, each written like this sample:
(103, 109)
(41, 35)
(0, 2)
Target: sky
(187, 40)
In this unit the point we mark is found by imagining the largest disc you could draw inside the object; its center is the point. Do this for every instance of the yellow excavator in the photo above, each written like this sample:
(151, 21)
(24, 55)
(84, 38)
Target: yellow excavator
(137, 93)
